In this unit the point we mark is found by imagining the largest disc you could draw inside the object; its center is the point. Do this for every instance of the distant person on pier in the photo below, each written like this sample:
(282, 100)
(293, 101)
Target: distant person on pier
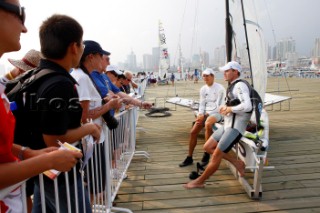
(212, 96)
(172, 78)
(237, 113)
(196, 76)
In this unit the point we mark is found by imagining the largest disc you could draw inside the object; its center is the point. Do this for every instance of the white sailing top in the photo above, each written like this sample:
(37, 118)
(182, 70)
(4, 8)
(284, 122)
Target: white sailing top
(240, 91)
(211, 98)
(87, 91)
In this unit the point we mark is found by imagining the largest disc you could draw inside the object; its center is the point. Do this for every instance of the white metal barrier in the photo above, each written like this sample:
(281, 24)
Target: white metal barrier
(101, 178)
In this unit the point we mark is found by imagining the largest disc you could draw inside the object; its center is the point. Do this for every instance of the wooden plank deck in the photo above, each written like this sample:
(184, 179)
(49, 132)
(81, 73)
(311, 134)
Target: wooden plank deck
(155, 185)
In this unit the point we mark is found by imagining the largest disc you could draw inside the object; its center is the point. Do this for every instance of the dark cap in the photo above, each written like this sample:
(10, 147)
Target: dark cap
(93, 47)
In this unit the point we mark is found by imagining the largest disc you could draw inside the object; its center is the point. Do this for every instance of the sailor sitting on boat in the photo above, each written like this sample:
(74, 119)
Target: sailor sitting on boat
(212, 96)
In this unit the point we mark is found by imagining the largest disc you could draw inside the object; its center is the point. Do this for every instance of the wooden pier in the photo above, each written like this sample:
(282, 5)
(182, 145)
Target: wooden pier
(155, 184)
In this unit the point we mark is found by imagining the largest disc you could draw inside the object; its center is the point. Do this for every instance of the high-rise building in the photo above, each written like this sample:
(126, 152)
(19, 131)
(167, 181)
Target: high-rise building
(196, 62)
(285, 47)
(155, 59)
(316, 48)
(147, 62)
(219, 56)
(204, 59)
(269, 52)
(132, 61)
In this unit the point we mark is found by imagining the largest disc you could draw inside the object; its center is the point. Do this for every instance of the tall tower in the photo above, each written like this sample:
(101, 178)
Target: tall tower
(132, 61)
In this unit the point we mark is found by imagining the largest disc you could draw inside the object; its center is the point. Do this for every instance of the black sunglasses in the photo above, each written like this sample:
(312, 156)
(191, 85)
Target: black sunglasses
(14, 9)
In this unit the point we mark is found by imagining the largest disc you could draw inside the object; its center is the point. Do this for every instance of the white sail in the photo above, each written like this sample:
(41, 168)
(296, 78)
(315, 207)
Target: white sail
(164, 55)
(256, 43)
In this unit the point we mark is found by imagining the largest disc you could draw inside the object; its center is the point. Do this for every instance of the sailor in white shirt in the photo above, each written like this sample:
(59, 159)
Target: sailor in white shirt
(212, 96)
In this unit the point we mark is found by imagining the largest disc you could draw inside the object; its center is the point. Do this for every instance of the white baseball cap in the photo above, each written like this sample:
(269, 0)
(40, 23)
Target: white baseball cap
(231, 65)
(208, 71)
(114, 68)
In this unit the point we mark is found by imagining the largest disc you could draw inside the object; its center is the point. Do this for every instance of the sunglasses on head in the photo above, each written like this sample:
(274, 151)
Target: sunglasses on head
(14, 9)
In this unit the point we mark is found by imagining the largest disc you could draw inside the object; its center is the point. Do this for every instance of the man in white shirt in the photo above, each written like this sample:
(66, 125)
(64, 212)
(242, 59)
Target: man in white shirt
(212, 96)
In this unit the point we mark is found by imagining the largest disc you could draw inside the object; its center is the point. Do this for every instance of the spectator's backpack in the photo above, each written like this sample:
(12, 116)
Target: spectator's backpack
(22, 93)
(257, 103)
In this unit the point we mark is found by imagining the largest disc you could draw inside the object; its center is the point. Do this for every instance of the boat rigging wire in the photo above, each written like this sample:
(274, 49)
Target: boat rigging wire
(278, 50)
(195, 29)
(181, 26)
(247, 42)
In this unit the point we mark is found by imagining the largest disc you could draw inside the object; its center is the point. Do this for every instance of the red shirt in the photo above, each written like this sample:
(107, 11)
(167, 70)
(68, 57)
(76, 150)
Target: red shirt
(11, 202)
(7, 123)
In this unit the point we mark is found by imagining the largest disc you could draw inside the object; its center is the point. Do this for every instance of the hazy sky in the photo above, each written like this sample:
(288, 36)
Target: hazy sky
(124, 25)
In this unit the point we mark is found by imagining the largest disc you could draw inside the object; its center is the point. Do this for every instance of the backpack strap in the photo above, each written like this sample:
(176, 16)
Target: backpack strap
(229, 97)
(39, 75)
(230, 89)
(26, 81)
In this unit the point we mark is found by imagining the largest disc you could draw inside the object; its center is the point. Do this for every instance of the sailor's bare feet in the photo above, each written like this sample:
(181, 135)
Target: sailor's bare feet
(193, 184)
(240, 166)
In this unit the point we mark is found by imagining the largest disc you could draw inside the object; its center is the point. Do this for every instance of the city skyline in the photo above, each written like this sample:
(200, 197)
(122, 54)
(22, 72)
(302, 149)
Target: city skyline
(285, 49)
(124, 26)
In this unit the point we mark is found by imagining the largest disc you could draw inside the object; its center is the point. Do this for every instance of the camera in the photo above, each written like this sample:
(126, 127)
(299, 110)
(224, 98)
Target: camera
(233, 102)
(110, 120)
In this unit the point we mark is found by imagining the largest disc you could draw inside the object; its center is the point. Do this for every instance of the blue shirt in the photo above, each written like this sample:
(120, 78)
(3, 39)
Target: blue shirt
(104, 84)
(109, 84)
(100, 83)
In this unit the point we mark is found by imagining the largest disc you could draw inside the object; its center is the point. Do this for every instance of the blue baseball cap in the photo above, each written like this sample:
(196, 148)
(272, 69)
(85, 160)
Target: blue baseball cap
(93, 47)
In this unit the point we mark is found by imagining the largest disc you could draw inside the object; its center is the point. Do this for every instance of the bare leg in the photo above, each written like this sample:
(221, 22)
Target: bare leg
(211, 168)
(210, 147)
(208, 126)
(237, 163)
(193, 138)
(217, 155)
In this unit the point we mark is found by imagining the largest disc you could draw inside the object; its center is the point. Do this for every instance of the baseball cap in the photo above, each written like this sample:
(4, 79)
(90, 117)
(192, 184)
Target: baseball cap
(231, 65)
(93, 47)
(114, 68)
(208, 71)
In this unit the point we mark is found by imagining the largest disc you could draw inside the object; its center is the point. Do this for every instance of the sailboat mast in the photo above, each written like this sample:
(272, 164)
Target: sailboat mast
(246, 35)
(228, 33)
(159, 34)
(163, 54)
(180, 60)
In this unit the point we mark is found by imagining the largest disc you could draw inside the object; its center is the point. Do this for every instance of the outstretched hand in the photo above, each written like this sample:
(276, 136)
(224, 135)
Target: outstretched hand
(146, 105)
(63, 160)
(95, 130)
(115, 102)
